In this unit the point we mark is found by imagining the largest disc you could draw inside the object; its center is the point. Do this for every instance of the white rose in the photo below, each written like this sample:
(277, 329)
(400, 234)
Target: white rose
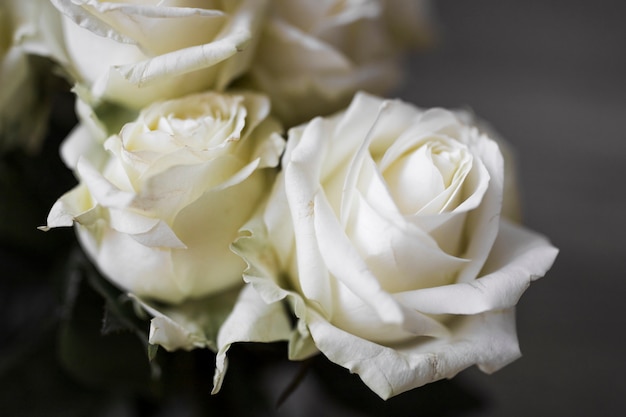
(313, 56)
(384, 233)
(27, 29)
(137, 52)
(158, 217)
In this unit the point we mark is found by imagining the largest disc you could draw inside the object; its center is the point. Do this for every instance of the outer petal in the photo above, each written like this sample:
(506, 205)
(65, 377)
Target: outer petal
(264, 274)
(488, 340)
(193, 324)
(70, 207)
(207, 265)
(116, 256)
(301, 174)
(184, 60)
(81, 143)
(519, 256)
(78, 13)
(122, 22)
(252, 320)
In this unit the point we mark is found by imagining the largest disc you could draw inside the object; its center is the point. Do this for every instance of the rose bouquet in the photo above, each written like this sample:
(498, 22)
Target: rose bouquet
(241, 181)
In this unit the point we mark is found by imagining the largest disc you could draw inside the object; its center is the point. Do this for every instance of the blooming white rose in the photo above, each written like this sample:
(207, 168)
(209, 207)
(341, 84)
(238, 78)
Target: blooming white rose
(158, 216)
(313, 56)
(137, 52)
(27, 29)
(384, 233)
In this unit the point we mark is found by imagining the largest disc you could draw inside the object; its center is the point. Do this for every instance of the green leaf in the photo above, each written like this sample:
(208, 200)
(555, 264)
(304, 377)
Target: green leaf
(152, 352)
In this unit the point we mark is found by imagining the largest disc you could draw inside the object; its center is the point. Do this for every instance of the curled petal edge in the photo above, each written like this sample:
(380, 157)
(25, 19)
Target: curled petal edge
(519, 256)
(488, 340)
(252, 320)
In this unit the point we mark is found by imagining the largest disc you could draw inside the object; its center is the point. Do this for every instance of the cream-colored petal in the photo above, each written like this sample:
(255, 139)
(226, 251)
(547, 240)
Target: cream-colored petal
(301, 167)
(402, 256)
(190, 325)
(487, 340)
(347, 266)
(266, 274)
(519, 257)
(102, 190)
(69, 208)
(148, 231)
(483, 222)
(208, 227)
(116, 256)
(175, 188)
(185, 60)
(84, 12)
(252, 320)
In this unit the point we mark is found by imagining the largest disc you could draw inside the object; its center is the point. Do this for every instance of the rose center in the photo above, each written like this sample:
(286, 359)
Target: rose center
(198, 125)
(427, 178)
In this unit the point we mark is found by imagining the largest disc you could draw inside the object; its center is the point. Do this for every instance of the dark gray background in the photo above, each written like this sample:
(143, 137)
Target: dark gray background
(550, 77)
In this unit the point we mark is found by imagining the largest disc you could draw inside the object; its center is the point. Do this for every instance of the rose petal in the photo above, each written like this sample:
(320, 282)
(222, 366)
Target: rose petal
(175, 188)
(103, 191)
(264, 272)
(116, 256)
(300, 176)
(415, 181)
(482, 223)
(361, 154)
(128, 23)
(148, 231)
(81, 143)
(519, 256)
(208, 266)
(252, 320)
(488, 340)
(75, 205)
(401, 255)
(184, 60)
(347, 266)
(447, 228)
(193, 324)
(79, 13)
(293, 44)
(418, 126)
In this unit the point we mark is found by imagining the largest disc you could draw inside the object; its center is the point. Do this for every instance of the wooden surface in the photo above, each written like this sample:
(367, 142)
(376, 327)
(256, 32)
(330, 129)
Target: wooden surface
(550, 76)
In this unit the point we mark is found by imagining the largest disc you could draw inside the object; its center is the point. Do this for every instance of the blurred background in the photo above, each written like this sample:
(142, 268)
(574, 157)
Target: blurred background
(550, 76)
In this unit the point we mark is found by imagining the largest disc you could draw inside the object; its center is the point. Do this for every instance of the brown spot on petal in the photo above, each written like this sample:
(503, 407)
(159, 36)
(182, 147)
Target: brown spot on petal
(310, 208)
